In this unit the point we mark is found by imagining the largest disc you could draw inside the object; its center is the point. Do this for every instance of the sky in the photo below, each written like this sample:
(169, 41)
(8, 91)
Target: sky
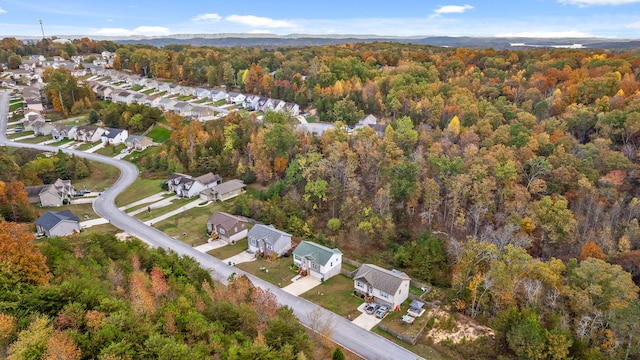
(527, 18)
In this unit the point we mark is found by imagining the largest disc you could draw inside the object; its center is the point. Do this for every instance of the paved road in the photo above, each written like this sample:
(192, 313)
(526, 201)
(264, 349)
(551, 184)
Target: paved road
(362, 342)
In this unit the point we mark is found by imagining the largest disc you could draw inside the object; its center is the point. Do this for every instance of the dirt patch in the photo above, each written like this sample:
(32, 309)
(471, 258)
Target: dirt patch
(447, 329)
(123, 236)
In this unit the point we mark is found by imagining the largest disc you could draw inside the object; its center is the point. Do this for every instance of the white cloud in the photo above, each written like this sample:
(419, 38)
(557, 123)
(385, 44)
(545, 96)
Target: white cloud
(583, 3)
(258, 21)
(452, 9)
(207, 17)
(547, 34)
(140, 30)
(258, 31)
(3, 11)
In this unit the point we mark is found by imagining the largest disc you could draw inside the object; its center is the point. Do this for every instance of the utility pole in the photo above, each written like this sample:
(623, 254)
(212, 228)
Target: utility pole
(42, 28)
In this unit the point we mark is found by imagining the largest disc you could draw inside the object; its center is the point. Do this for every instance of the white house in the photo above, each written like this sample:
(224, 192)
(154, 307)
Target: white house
(235, 98)
(187, 186)
(114, 136)
(317, 260)
(387, 287)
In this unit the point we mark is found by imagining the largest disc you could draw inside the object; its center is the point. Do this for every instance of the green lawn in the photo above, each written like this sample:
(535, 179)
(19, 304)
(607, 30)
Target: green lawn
(279, 272)
(336, 294)
(192, 222)
(86, 146)
(61, 142)
(201, 101)
(159, 134)
(83, 211)
(148, 91)
(230, 250)
(136, 88)
(161, 93)
(36, 140)
(111, 150)
(172, 96)
(220, 102)
(15, 106)
(140, 189)
(175, 205)
(311, 119)
(135, 155)
(19, 134)
(101, 176)
(185, 98)
(101, 229)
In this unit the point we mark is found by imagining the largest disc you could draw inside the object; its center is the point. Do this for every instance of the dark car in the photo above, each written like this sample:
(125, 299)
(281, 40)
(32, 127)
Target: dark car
(371, 308)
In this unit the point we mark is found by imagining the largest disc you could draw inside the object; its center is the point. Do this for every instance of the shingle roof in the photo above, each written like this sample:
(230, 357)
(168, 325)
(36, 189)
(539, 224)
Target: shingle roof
(225, 220)
(51, 219)
(208, 178)
(381, 279)
(268, 233)
(316, 252)
(112, 133)
(229, 186)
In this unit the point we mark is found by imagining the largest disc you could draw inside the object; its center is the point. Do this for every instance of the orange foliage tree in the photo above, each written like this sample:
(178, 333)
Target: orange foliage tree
(592, 250)
(20, 260)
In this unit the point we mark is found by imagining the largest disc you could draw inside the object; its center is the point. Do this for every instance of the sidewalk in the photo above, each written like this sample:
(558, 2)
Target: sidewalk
(149, 199)
(184, 208)
(155, 205)
(95, 148)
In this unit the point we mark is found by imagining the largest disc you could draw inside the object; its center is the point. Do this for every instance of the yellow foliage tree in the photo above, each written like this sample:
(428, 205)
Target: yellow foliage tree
(454, 125)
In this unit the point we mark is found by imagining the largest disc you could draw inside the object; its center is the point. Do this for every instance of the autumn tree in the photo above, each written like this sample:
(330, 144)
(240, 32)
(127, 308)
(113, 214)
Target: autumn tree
(20, 260)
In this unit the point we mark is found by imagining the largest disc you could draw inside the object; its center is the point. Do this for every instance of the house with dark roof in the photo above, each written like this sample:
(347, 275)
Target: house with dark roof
(317, 260)
(57, 223)
(229, 228)
(113, 136)
(387, 287)
(187, 186)
(267, 240)
(225, 191)
(50, 194)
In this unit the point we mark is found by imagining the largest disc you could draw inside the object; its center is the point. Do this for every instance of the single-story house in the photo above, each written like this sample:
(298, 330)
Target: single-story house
(138, 142)
(57, 223)
(386, 287)
(187, 186)
(225, 191)
(268, 240)
(229, 228)
(113, 136)
(317, 260)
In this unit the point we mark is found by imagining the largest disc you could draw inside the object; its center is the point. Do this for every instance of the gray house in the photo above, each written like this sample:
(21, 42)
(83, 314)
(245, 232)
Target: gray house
(267, 240)
(57, 223)
(386, 287)
(50, 195)
(317, 260)
(225, 191)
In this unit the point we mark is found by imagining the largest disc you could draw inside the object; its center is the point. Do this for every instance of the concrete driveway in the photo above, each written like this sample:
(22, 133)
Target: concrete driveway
(214, 244)
(243, 257)
(365, 320)
(301, 285)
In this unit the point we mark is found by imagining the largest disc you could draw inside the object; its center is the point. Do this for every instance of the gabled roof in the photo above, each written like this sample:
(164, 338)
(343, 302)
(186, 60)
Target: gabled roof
(208, 178)
(269, 234)
(50, 219)
(229, 186)
(225, 220)
(112, 133)
(315, 252)
(132, 138)
(381, 279)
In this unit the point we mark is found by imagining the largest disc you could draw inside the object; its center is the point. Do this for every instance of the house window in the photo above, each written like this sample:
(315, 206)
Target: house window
(269, 247)
(297, 258)
(359, 284)
(384, 294)
(314, 266)
(222, 231)
(252, 241)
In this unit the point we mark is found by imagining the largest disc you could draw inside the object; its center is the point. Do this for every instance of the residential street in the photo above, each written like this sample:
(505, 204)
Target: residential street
(360, 341)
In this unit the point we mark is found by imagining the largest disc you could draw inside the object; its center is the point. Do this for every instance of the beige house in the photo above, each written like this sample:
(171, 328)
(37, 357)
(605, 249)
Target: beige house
(51, 194)
(138, 142)
(225, 191)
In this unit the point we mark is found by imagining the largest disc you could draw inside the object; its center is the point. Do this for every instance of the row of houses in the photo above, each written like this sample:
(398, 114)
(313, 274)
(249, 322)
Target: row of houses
(386, 287)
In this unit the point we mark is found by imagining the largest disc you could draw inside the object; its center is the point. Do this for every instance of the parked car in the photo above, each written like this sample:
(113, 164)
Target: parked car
(371, 308)
(382, 312)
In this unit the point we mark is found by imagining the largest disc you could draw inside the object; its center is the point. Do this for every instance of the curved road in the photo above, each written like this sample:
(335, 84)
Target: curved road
(360, 341)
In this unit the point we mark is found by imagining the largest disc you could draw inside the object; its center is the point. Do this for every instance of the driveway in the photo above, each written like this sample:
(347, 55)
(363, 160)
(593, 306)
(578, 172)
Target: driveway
(149, 199)
(243, 257)
(182, 209)
(95, 148)
(94, 222)
(301, 285)
(365, 320)
(214, 244)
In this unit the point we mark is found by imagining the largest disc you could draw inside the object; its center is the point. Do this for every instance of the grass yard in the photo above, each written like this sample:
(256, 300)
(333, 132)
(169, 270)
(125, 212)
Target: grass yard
(185, 98)
(175, 205)
(83, 211)
(192, 222)
(220, 102)
(101, 229)
(140, 189)
(36, 140)
(86, 146)
(161, 93)
(311, 119)
(61, 142)
(111, 150)
(338, 296)
(394, 321)
(15, 106)
(279, 272)
(19, 134)
(136, 88)
(135, 155)
(148, 91)
(100, 177)
(159, 134)
(423, 350)
(230, 250)
(201, 101)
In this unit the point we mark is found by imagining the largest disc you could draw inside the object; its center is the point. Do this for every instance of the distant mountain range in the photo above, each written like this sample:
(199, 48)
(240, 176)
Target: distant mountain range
(272, 40)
